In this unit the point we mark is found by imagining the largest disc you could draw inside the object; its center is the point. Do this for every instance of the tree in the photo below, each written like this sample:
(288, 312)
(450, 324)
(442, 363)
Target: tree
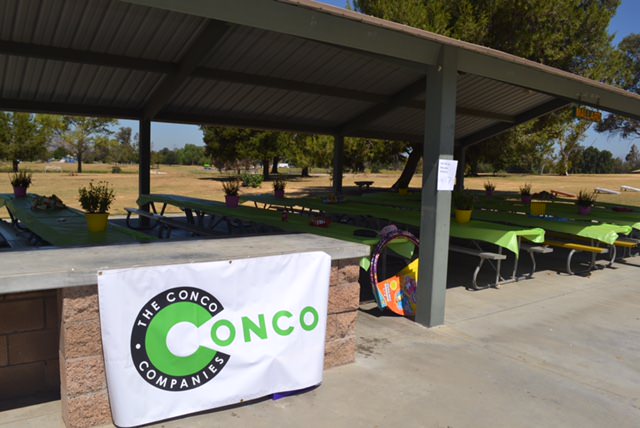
(633, 158)
(307, 151)
(568, 34)
(629, 79)
(80, 133)
(225, 145)
(24, 136)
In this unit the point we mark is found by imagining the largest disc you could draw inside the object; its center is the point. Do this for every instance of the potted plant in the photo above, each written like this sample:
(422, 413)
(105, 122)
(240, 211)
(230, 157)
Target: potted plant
(278, 187)
(231, 189)
(489, 188)
(463, 205)
(20, 181)
(96, 200)
(525, 193)
(585, 202)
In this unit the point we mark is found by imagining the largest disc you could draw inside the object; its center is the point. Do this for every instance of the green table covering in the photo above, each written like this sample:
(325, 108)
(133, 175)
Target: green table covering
(500, 235)
(607, 233)
(598, 214)
(67, 227)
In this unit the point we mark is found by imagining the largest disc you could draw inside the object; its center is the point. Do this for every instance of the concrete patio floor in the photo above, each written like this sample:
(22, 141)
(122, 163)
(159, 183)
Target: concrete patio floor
(553, 351)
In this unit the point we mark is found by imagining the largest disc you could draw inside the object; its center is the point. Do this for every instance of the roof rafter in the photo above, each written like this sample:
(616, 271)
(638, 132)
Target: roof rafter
(492, 131)
(77, 56)
(398, 99)
(201, 46)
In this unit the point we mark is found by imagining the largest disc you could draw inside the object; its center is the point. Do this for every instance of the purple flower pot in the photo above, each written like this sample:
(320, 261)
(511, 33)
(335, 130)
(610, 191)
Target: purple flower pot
(488, 193)
(582, 210)
(20, 192)
(232, 201)
(526, 199)
(279, 194)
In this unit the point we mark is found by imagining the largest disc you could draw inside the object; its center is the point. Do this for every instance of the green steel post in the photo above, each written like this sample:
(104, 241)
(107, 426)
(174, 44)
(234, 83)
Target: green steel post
(435, 206)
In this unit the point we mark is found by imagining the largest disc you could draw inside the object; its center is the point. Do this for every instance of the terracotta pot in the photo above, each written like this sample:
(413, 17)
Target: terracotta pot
(279, 193)
(582, 210)
(19, 192)
(526, 199)
(232, 201)
(97, 222)
(463, 216)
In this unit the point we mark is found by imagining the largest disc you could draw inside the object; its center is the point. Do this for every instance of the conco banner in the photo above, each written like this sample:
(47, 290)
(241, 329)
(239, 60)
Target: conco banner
(186, 338)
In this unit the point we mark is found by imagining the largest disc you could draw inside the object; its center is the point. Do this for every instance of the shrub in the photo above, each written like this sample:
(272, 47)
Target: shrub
(251, 180)
(116, 169)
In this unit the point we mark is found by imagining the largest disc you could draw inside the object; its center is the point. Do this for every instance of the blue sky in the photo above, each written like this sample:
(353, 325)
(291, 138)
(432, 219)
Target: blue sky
(624, 23)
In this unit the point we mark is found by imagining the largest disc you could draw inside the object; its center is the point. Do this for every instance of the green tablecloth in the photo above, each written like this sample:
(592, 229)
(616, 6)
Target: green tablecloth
(67, 227)
(607, 233)
(498, 234)
(501, 235)
(598, 214)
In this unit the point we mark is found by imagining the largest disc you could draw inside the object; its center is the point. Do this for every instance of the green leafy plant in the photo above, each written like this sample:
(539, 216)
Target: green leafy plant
(116, 169)
(97, 198)
(251, 180)
(232, 187)
(489, 186)
(525, 189)
(462, 200)
(279, 184)
(586, 198)
(20, 179)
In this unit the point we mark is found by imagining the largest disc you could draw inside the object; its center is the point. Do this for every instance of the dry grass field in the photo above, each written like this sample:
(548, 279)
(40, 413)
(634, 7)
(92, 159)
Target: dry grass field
(195, 181)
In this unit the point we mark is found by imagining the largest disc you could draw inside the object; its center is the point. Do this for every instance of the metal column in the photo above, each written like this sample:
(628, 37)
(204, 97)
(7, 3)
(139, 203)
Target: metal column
(144, 171)
(338, 163)
(436, 206)
(460, 153)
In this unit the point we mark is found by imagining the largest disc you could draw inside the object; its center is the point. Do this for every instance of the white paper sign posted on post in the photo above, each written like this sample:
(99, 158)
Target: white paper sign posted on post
(447, 174)
(186, 338)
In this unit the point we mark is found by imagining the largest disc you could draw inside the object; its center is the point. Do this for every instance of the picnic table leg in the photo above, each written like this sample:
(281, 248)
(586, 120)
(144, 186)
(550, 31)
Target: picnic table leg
(514, 276)
(498, 265)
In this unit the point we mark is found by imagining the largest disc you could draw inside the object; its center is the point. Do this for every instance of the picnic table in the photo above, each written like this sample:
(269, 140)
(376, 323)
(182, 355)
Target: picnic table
(218, 211)
(65, 227)
(363, 184)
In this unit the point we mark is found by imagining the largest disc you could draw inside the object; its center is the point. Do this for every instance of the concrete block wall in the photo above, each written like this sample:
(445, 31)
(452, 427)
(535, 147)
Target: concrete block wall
(84, 396)
(29, 331)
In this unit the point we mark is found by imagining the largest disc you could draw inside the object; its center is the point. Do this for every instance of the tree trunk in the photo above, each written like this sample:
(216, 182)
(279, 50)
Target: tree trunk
(409, 168)
(305, 172)
(15, 165)
(274, 168)
(79, 159)
(265, 169)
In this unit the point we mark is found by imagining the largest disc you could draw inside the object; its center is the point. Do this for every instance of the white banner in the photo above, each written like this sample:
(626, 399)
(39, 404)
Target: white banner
(186, 338)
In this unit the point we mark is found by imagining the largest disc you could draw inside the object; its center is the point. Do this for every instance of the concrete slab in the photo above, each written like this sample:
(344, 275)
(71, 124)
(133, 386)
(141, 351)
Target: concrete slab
(552, 351)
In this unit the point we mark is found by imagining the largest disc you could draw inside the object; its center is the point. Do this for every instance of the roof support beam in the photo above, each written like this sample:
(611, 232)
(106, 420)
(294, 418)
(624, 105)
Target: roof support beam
(84, 57)
(406, 94)
(67, 108)
(494, 130)
(119, 61)
(202, 45)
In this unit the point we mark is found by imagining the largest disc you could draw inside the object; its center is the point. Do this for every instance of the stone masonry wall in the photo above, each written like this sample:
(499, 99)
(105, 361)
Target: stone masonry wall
(28, 347)
(84, 397)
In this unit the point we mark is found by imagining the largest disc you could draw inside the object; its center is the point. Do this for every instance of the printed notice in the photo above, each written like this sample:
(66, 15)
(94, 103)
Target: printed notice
(447, 174)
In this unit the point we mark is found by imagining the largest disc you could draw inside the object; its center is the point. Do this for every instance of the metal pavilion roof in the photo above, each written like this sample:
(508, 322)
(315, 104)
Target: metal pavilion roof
(275, 64)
